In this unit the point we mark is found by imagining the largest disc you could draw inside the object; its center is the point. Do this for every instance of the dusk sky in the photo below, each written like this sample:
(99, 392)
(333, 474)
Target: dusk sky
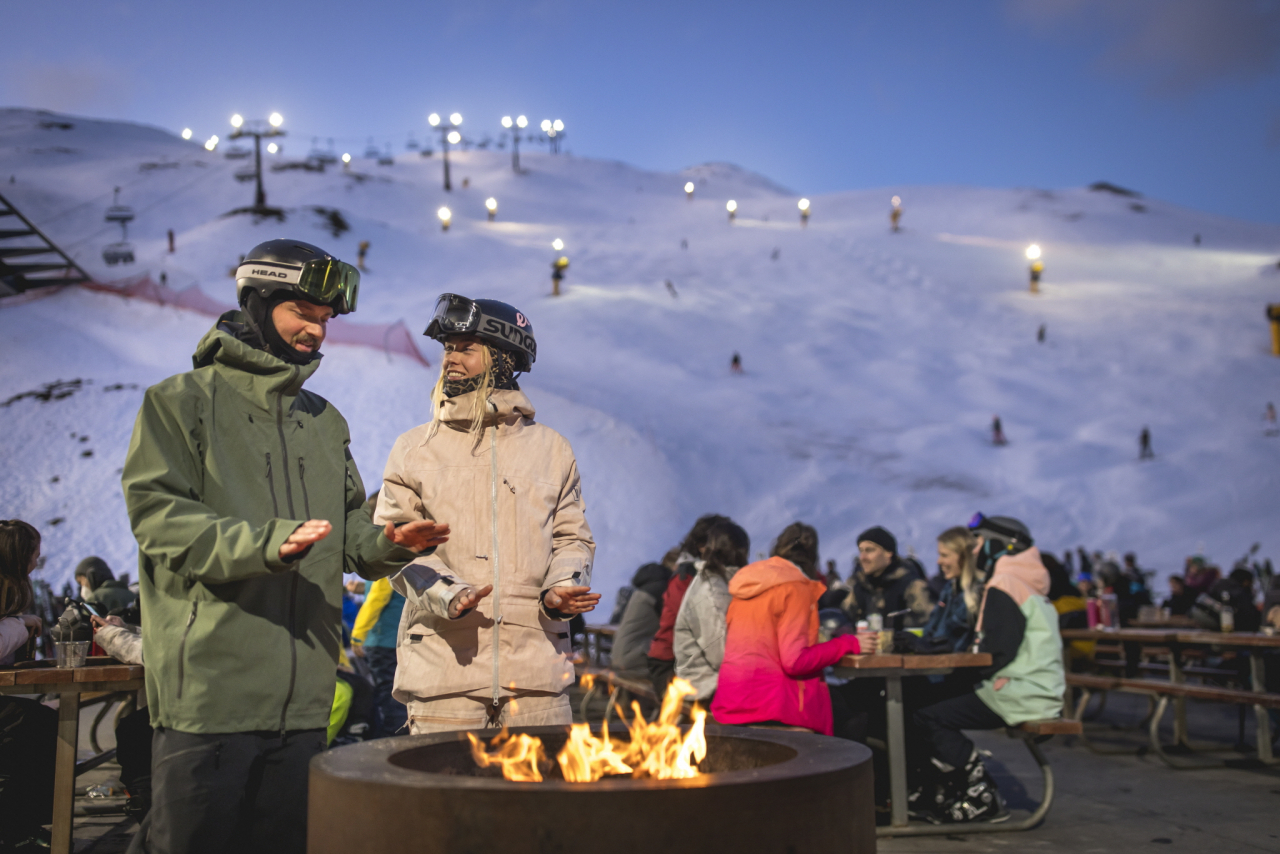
(1178, 99)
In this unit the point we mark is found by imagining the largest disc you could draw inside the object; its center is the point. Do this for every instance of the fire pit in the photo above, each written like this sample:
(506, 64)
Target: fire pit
(761, 790)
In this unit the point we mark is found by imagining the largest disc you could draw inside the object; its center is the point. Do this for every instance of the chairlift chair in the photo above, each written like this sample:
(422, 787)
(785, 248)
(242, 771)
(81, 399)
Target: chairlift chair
(118, 253)
(386, 159)
(237, 152)
(118, 212)
(247, 173)
(371, 151)
(412, 144)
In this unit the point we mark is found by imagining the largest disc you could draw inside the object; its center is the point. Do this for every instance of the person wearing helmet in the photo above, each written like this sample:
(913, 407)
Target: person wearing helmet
(247, 508)
(484, 640)
(1018, 626)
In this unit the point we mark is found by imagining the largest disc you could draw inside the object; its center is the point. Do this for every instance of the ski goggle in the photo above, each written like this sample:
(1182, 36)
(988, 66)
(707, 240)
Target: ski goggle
(976, 521)
(326, 281)
(454, 315)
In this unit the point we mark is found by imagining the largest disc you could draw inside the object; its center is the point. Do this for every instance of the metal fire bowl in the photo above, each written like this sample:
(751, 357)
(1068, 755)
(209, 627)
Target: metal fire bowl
(763, 790)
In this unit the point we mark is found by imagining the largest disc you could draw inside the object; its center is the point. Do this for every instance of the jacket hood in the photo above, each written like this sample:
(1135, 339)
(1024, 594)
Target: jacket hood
(96, 572)
(1021, 576)
(651, 573)
(222, 345)
(761, 576)
(511, 404)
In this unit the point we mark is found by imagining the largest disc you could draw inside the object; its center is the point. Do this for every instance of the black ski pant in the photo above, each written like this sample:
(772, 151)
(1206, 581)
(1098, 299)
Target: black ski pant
(28, 743)
(219, 792)
(389, 714)
(133, 752)
(938, 728)
(661, 672)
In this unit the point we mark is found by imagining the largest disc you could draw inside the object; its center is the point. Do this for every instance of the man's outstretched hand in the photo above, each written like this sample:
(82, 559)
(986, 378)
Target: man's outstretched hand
(571, 600)
(304, 536)
(467, 599)
(418, 536)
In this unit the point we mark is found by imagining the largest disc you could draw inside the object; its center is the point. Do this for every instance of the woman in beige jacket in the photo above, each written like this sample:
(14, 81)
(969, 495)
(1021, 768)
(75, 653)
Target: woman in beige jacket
(484, 637)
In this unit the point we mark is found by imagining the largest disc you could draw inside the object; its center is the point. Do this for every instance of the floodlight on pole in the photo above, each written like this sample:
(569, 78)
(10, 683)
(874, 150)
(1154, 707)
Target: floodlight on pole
(522, 122)
(446, 218)
(186, 133)
(546, 125)
(896, 201)
(448, 134)
(491, 205)
(211, 143)
(732, 207)
(557, 244)
(803, 204)
(506, 121)
(272, 148)
(257, 129)
(1037, 266)
(557, 126)
(1033, 252)
(688, 190)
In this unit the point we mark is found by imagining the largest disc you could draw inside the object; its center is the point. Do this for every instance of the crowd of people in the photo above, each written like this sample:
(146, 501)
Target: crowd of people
(476, 560)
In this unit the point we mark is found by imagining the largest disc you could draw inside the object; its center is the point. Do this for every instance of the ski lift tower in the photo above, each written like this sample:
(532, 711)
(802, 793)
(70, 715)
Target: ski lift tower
(521, 122)
(257, 130)
(448, 135)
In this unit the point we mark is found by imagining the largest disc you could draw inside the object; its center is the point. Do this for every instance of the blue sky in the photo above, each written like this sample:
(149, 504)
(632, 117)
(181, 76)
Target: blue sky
(1179, 99)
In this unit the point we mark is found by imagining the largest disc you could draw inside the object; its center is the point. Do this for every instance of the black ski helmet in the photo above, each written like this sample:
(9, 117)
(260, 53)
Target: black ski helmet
(491, 321)
(1001, 535)
(300, 270)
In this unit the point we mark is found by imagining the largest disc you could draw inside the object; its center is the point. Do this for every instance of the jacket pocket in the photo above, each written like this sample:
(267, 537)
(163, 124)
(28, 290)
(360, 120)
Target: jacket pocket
(182, 646)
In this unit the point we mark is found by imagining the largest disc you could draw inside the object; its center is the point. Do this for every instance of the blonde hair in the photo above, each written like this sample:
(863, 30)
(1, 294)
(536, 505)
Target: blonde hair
(961, 541)
(478, 405)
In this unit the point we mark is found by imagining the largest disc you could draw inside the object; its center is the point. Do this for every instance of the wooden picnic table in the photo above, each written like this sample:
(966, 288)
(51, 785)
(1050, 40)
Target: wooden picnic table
(595, 635)
(99, 675)
(892, 668)
(1176, 639)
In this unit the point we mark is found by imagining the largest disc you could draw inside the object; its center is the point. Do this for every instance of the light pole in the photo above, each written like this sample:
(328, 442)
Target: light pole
(257, 130)
(448, 134)
(521, 122)
(803, 204)
(732, 207)
(896, 213)
(491, 205)
(688, 190)
(553, 130)
(446, 218)
(558, 267)
(1037, 267)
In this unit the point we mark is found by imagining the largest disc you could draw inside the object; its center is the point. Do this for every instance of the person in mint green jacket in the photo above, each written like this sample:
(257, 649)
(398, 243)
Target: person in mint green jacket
(1018, 626)
(247, 508)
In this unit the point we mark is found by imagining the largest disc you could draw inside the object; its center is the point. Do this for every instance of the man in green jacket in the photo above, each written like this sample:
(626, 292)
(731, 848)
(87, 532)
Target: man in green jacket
(248, 508)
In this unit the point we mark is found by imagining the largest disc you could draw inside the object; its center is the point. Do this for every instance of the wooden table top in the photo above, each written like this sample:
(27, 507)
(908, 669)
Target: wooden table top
(1169, 636)
(601, 629)
(908, 663)
(44, 673)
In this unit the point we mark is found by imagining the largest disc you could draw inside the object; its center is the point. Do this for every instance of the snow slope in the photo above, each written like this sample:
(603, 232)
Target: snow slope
(874, 361)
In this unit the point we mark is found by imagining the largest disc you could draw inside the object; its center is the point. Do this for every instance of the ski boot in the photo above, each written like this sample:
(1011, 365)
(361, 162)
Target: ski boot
(979, 799)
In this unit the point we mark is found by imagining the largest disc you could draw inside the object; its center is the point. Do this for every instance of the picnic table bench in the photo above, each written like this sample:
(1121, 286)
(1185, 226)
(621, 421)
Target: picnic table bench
(1176, 690)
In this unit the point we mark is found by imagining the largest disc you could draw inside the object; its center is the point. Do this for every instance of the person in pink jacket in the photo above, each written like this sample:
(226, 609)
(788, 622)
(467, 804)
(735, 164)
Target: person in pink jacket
(772, 669)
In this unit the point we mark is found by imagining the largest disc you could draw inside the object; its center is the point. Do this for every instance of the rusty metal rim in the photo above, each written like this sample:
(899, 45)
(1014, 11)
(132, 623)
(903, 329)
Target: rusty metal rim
(369, 762)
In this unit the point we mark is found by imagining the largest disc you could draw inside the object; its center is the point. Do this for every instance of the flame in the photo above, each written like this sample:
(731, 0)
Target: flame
(588, 681)
(660, 750)
(518, 757)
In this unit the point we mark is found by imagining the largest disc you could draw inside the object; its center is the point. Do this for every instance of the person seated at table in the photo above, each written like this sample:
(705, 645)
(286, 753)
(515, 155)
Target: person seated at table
(1180, 598)
(950, 626)
(1234, 592)
(700, 624)
(1018, 627)
(123, 642)
(882, 583)
(28, 730)
(639, 623)
(100, 588)
(772, 669)
(662, 655)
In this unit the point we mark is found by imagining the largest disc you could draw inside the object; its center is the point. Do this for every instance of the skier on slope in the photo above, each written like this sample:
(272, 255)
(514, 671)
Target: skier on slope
(484, 641)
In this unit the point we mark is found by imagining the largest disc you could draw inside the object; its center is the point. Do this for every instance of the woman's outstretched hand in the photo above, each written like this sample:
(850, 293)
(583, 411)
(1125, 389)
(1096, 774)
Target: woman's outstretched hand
(571, 600)
(468, 599)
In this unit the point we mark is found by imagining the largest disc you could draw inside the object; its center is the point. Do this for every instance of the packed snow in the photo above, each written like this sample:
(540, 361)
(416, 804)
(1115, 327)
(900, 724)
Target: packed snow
(874, 361)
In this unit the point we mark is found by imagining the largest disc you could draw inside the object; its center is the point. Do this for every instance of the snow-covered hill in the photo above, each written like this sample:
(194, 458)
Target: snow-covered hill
(873, 361)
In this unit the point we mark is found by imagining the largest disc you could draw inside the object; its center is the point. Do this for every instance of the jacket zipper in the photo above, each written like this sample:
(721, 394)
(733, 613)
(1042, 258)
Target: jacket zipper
(271, 485)
(182, 647)
(302, 478)
(293, 582)
(497, 593)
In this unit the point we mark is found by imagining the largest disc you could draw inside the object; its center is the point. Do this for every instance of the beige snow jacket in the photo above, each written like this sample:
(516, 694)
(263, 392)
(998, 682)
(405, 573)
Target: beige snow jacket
(514, 503)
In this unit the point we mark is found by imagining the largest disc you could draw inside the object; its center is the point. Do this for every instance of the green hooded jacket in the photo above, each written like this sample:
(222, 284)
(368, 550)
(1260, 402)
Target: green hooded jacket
(226, 461)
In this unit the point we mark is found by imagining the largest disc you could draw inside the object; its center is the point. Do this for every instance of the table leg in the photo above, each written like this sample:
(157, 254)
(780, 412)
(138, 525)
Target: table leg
(897, 751)
(1257, 670)
(1177, 677)
(64, 781)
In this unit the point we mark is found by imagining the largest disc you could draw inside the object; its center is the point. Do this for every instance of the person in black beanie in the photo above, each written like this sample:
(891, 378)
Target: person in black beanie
(882, 583)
